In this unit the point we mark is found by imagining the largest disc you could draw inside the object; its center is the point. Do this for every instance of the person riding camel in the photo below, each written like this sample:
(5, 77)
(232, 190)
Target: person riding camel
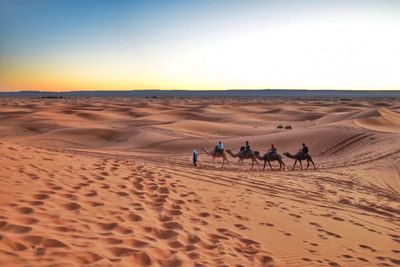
(245, 149)
(303, 151)
(272, 152)
(219, 148)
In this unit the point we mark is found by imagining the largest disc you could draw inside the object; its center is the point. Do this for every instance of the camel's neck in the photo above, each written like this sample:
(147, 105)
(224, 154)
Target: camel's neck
(258, 156)
(231, 153)
(206, 151)
(291, 156)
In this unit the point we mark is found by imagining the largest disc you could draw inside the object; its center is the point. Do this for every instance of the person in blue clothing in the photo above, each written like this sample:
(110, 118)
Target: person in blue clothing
(219, 148)
(195, 157)
(272, 152)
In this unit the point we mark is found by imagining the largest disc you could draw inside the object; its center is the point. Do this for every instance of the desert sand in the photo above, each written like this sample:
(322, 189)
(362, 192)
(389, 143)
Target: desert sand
(109, 182)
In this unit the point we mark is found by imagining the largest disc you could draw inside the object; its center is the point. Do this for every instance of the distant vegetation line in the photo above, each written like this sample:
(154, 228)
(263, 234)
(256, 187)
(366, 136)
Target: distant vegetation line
(275, 93)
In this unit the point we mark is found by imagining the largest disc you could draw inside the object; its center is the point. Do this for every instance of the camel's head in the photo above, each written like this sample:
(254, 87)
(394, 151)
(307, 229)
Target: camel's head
(256, 153)
(287, 154)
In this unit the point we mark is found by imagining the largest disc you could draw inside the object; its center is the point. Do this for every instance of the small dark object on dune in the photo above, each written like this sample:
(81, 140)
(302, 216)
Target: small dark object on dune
(280, 126)
(288, 127)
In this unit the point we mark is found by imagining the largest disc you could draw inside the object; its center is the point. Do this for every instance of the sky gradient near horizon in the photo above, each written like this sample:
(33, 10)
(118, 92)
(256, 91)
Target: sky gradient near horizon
(209, 44)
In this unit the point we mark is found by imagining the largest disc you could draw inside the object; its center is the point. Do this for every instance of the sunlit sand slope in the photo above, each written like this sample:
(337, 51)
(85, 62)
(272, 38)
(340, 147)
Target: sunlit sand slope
(109, 182)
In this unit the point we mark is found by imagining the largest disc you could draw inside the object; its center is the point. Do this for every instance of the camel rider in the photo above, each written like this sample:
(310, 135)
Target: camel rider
(219, 148)
(272, 152)
(304, 151)
(246, 148)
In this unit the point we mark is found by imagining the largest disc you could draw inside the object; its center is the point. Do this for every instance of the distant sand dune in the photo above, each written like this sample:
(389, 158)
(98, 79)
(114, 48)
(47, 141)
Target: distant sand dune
(384, 121)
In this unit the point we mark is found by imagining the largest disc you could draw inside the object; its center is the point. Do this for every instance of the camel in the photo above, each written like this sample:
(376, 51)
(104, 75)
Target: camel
(242, 157)
(218, 155)
(297, 157)
(268, 158)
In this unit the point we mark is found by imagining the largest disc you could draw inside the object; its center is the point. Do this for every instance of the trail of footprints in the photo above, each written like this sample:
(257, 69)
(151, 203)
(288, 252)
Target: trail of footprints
(147, 228)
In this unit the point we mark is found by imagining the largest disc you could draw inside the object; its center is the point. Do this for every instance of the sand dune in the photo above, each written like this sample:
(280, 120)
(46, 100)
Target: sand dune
(109, 182)
(384, 121)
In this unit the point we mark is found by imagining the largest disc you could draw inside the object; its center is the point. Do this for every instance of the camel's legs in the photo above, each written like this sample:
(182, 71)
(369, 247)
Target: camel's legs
(294, 165)
(301, 165)
(308, 164)
(312, 163)
(269, 163)
(265, 162)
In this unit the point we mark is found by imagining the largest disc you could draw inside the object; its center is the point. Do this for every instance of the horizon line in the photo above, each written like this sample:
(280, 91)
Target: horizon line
(198, 90)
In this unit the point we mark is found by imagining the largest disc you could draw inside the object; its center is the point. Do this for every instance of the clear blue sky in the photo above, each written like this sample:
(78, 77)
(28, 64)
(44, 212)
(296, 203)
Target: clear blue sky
(72, 45)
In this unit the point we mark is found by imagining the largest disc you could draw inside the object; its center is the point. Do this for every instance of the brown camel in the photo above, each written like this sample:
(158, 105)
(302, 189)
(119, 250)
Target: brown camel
(268, 158)
(216, 155)
(242, 157)
(298, 157)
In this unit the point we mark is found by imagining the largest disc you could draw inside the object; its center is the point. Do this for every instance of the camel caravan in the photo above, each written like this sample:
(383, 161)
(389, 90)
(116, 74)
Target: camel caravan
(246, 153)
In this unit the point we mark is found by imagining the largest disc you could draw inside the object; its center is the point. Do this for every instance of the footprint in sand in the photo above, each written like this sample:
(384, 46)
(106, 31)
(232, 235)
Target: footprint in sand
(136, 243)
(36, 203)
(122, 194)
(72, 206)
(56, 188)
(95, 203)
(367, 247)
(240, 226)
(112, 241)
(192, 239)
(124, 230)
(70, 196)
(395, 261)
(91, 194)
(362, 259)
(45, 242)
(140, 259)
(174, 212)
(53, 243)
(175, 244)
(13, 228)
(347, 256)
(122, 251)
(41, 196)
(173, 225)
(25, 210)
(134, 217)
(164, 234)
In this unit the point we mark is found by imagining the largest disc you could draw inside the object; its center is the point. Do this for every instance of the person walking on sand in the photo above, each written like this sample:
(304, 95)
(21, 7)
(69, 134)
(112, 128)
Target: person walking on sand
(195, 157)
